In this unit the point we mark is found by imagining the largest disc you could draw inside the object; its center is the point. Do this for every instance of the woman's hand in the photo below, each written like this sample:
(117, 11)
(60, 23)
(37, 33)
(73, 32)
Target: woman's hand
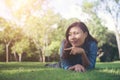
(77, 68)
(75, 50)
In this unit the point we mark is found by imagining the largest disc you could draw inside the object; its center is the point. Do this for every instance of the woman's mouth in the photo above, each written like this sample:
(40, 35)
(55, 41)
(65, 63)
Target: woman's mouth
(73, 43)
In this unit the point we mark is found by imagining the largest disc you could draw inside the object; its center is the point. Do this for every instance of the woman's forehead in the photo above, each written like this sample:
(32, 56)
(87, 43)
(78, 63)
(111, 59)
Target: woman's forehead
(75, 28)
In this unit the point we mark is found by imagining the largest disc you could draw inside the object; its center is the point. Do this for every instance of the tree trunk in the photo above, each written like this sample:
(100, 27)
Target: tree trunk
(7, 58)
(7, 51)
(15, 56)
(43, 54)
(20, 57)
(43, 58)
(40, 55)
(118, 40)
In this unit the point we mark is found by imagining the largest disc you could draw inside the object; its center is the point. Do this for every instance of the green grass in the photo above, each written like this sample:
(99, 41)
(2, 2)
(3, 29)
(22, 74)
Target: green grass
(37, 71)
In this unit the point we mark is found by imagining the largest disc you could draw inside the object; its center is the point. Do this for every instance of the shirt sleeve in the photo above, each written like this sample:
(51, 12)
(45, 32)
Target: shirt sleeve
(64, 62)
(92, 54)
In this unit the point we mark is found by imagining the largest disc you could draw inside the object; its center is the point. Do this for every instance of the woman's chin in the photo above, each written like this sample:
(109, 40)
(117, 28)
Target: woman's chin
(75, 45)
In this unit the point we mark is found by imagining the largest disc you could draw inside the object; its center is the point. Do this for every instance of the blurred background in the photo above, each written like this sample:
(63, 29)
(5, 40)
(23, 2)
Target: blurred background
(32, 30)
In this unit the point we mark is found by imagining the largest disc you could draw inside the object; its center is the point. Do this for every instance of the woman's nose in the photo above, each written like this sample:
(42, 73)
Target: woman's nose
(72, 36)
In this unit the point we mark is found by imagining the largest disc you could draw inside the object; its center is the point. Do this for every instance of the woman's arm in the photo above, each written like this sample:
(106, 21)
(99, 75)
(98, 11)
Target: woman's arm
(63, 62)
(85, 60)
(88, 60)
(81, 51)
(92, 54)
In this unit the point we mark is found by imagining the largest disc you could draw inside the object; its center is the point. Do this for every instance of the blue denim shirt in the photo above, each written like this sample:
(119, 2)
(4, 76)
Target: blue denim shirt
(91, 52)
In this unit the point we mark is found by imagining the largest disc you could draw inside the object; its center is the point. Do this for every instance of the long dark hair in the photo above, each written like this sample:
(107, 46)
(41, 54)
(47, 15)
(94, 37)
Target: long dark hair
(67, 44)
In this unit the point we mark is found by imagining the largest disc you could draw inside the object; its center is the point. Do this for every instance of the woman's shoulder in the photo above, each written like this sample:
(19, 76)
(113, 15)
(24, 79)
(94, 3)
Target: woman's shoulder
(92, 44)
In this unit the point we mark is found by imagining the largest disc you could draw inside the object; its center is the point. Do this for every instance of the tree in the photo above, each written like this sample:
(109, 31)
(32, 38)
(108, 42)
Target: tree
(110, 48)
(29, 10)
(97, 30)
(20, 47)
(112, 8)
(7, 35)
(2, 24)
(39, 29)
(36, 19)
(94, 24)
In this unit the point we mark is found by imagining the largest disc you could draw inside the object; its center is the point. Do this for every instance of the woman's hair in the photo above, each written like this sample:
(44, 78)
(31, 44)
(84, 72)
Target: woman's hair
(84, 28)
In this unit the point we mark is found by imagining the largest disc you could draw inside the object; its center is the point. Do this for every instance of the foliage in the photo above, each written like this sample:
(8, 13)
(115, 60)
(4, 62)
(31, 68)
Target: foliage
(98, 31)
(53, 48)
(21, 46)
(111, 8)
(8, 35)
(2, 47)
(111, 39)
(39, 30)
(111, 54)
(94, 24)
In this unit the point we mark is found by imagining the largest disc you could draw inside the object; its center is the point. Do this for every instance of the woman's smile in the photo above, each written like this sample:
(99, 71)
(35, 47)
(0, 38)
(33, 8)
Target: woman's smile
(74, 42)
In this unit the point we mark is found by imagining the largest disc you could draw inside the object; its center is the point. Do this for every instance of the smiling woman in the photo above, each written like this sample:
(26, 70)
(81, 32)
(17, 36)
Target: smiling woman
(79, 50)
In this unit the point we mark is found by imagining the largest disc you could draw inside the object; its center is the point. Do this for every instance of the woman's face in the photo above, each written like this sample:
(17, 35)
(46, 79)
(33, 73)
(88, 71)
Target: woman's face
(76, 36)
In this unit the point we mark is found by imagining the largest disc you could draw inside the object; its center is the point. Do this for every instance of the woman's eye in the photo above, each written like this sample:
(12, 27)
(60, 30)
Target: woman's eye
(69, 34)
(76, 32)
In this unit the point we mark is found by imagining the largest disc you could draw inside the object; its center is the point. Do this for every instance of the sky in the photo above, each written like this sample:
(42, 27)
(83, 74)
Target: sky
(71, 8)
(4, 11)
(67, 8)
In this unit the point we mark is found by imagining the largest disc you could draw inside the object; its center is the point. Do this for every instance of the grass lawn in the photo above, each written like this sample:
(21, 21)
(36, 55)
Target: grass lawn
(37, 71)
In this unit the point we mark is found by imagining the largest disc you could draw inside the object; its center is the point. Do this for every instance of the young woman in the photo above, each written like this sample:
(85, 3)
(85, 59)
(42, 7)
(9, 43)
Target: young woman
(79, 50)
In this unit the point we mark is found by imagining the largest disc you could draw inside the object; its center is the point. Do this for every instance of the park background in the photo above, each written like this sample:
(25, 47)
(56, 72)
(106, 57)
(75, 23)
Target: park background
(31, 32)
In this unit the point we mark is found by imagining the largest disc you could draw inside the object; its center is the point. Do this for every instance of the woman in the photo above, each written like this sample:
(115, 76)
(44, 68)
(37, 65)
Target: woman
(79, 50)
